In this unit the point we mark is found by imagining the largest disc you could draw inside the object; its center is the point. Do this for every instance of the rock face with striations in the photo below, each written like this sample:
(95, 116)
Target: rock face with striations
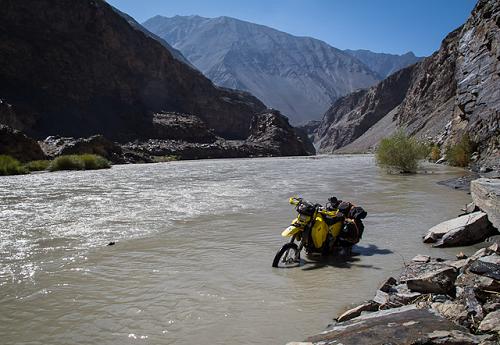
(272, 130)
(453, 92)
(77, 68)
(485, 193)
(270, 135)
(352, 115)
(300, 76)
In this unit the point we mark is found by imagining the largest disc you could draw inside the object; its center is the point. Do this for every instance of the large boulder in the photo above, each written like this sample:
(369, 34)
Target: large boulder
(404, 325)
(486, 195)
(438, 281)
(54, 146)
(487, 269)
(16, 144)
(273, 131)
(369, 306)
(177, 126)
(491, 323)
(464, 230)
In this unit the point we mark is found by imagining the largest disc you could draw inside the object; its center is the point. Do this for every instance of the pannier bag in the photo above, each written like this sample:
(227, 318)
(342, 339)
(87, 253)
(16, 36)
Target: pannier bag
(344, 207)
(305, 208)
(357, 213)
(352, 231)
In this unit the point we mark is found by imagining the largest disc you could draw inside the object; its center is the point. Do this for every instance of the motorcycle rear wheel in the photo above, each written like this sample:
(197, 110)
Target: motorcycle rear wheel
(287, 256)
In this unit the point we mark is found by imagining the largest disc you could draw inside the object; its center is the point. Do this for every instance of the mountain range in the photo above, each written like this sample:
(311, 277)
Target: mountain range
(450, 94)
(77, 68)
(300, 76)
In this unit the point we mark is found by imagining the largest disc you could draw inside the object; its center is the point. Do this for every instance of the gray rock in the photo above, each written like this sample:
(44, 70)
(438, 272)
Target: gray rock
(404, 325)
(479, 253)
(492, 259)
(18, 145)
(415, 269)
(402, 295)
(356, 311)
(486, 195)
(458, 264)
(495, 248)
(421, 258)
(438, 281)
(54, 146)
(460, 231)
(381, 298)
(452, 337)
(387, 284)
(487, 269)
(491, 323)
(470, 207)
(472, 304)
(489, 307)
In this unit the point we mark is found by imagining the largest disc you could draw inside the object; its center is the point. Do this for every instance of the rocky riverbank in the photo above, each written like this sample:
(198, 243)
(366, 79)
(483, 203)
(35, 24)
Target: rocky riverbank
(436, 300)
(176, 136)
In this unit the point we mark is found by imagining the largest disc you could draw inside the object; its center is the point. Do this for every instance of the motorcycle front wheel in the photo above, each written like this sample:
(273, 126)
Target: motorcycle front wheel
(287, 256)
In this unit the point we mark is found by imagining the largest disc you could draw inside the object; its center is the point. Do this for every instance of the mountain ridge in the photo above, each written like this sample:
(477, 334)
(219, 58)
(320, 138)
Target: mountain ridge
(450, 94)
(300, 76)
(96, 73)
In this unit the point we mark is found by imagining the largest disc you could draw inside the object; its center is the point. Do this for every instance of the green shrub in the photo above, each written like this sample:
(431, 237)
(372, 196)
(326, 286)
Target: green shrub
(37, 165)
(93, 162)
(11, 166)
(460, 153)
(67, 162)
(400, 153)
(79, 162)
(435, 153)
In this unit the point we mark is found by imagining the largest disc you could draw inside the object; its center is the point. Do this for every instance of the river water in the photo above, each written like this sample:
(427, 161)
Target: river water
(194, 246)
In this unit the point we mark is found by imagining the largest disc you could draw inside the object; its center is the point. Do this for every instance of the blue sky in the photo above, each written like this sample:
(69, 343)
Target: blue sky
(389, 26)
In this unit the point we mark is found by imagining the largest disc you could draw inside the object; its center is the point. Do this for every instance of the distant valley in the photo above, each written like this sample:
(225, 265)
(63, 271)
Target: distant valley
(300, 76)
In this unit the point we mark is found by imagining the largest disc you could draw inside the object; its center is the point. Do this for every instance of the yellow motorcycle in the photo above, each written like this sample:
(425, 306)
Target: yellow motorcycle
(316, 229)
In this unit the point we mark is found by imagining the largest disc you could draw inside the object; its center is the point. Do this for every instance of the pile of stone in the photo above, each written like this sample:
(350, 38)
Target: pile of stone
(434, 301)
(437, 301)
(480, 220)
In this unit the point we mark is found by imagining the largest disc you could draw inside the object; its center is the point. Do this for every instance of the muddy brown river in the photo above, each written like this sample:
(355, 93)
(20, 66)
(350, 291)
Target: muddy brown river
(194, 246)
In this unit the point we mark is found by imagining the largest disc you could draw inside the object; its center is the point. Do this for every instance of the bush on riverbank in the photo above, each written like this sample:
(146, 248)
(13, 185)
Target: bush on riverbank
(39, 165)
(11, 166)
(459, 154)
(435, 153)
(79, 162)
(400, 153)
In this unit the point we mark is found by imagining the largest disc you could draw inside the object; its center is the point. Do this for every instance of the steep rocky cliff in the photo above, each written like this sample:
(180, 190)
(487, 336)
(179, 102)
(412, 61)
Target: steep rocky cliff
(354, 114)
(300, 76)
(453, 92)
(77, 68)
(271, 130)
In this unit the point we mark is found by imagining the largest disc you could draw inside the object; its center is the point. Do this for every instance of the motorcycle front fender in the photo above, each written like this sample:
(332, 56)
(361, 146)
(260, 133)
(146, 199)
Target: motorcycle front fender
(290, 231)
